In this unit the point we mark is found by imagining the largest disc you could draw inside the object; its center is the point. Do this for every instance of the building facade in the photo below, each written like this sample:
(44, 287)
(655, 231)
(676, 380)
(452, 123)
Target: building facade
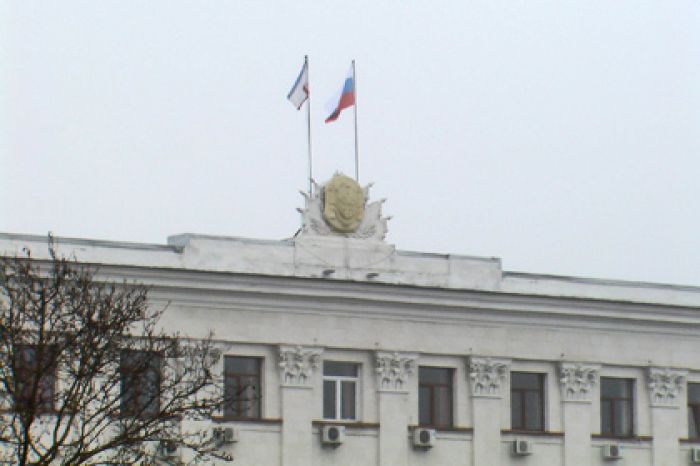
(356, 353)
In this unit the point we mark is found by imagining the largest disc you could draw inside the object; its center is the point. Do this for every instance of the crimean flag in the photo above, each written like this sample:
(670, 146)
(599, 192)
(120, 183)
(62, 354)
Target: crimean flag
(300, 90)
(344, 98)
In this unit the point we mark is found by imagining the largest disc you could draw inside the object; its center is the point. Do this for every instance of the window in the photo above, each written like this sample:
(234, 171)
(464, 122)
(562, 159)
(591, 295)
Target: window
(32, 363)
(140, 383)
(340, 390)
(694, 410)
(527, 401)
(435, 396)
(616, 407)
(242, 387)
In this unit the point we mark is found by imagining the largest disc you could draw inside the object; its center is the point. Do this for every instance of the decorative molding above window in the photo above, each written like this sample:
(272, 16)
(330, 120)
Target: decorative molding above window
(578, 381)
(665, 386)
(487, 376)
(297, 365)
(393, 370)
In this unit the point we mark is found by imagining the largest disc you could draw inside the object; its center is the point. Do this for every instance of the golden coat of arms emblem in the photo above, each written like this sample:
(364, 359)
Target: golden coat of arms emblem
(343, 203)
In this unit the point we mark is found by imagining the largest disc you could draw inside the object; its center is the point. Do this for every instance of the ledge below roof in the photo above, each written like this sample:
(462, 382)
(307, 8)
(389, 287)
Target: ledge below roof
(334, 258)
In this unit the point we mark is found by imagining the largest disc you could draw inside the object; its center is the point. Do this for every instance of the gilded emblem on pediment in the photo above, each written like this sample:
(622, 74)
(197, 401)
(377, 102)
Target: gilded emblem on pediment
(340, 208)
(343, 203)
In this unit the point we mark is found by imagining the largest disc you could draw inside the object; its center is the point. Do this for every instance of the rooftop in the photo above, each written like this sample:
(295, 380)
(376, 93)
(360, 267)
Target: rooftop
(347, 259)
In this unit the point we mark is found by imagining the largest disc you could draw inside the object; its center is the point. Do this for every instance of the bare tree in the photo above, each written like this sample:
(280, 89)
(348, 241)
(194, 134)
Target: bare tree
(88, 377)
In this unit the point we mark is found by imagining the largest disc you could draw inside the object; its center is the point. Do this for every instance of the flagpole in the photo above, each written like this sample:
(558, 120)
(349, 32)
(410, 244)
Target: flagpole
(354, 91)
(308, 117)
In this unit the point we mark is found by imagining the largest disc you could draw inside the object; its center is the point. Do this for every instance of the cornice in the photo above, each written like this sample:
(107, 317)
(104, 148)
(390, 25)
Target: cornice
(387, 301)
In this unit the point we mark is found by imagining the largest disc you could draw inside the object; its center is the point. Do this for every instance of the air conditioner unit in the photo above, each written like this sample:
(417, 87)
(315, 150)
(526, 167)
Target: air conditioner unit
(612, 451)
(695, 455)
(168, 449)
(522, 447)
(225, 435)
(332, 435)
(423, 438)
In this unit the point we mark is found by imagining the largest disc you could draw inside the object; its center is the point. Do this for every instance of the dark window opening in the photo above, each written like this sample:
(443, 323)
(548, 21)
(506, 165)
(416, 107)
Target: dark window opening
(35, 378)
(694, 410)
(616, 407)
(435, 396)
(242, 388)
(140, 383)
(527, 401)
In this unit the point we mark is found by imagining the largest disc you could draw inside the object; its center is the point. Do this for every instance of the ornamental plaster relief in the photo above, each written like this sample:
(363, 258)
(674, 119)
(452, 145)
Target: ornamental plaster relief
(393, 371)
(298, 364)
(665, 386)
(487, 376)
(341, 208)
(578, 381)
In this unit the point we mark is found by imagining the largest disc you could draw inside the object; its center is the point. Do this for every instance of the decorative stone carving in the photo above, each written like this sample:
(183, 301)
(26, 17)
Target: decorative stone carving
(297, 365)
(340, 208)
(393, 370)
(577, 381)
(665, 386)
(343, 203)
(487, 376)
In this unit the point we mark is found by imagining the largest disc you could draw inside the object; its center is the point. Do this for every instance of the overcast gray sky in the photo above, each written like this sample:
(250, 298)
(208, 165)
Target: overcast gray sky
(562, 136)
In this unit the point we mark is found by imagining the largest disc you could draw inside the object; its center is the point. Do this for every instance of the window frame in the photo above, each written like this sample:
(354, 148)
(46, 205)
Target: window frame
(45, 404)
(135, 376)
(631, 385)
(433, 395)
(338, 382)
(693, 407)
(522, 392)
(235, 414)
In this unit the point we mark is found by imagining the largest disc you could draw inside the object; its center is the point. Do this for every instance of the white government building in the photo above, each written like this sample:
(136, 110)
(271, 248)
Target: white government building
(364, 355)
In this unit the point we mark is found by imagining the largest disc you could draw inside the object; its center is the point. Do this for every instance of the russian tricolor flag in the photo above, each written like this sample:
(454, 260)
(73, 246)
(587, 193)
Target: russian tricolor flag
(344, 98)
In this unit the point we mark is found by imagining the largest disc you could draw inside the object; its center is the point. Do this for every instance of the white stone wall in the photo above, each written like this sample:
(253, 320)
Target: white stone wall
(445, 311)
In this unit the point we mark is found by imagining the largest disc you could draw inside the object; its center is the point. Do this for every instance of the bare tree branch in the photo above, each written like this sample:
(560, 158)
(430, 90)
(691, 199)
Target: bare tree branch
(88, 376)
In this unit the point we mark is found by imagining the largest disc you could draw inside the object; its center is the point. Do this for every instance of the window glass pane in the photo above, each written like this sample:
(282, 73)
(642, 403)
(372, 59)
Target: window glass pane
(524, 380)
(435, 375)
(231, 397)
(424, 407)
(694, 421)
(27, 369)
(533, 411)
(694, 393)
(605, 417)
(623, 418)
(342, 369)
(249, 399)
(242, 390)
(241, 365)
(443, 406)
(249, 388)
(329, 399)
(348, 400)
(140, 383)
(615, 388)
(516, 411)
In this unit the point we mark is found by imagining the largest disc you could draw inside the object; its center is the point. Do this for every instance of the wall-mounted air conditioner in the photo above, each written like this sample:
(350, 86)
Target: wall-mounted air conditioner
(423, 438)
(522, 447)
(612, 451)
(332, 435)
(225, 435)
(695, 455)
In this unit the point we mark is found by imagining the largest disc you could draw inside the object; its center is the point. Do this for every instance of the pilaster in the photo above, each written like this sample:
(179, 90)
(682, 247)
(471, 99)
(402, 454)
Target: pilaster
(395, 372)
(298, 371)
(488, 381)
(578, 382)
(665, 387)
